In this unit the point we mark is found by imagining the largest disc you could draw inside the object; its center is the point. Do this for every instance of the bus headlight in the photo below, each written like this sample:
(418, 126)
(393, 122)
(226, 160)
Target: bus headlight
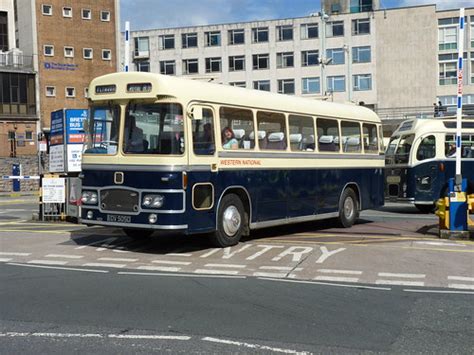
(153, 201)
(89, 197)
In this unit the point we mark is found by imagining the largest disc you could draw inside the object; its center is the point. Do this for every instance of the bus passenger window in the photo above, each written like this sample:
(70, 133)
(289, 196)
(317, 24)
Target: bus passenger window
(301, 133)
(274, 125)
(351, 131)
(450, 146)
(203, 134)
(237, 129)
(371, 144)
(328, 135)
(427, 148)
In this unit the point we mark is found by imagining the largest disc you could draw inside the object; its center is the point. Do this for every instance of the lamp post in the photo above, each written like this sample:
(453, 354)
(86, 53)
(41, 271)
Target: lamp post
(349, 73)
(322, 59)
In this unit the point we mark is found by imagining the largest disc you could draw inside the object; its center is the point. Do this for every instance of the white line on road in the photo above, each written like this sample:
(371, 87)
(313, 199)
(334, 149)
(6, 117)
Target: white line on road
(336, 278)
(14, 254)
(178, 254)
(66, 335)
(5, 260)
(442, 244)
(408, 276)
(226, 265)
(124, 260)
(399, 282)
(118, 266)
(154, 337)
(48, 262)
(216, 272)
(440, 291)
(279, 268)
(64, 256)
(326, 284)
(113, 336)
(270, 274)
(58, 268)
(461, 278)
(167, 262)
(332, 271)
(182, 275)
(461, 286)
(251, 346)
(159, 268)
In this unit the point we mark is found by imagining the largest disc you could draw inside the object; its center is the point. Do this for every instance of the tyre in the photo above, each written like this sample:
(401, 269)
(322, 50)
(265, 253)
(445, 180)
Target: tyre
(230, 222)
(348, 208)
(138, 233)
(425, 208)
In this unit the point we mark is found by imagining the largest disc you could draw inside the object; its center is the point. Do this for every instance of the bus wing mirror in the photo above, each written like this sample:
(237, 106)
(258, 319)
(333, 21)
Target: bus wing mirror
(195, 112)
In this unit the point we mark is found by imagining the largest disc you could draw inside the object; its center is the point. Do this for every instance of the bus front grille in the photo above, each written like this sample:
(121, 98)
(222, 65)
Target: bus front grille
(119, 200)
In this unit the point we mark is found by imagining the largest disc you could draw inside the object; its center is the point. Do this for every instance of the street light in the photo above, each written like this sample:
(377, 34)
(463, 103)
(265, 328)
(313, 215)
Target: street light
(349, 72)
(323, 60)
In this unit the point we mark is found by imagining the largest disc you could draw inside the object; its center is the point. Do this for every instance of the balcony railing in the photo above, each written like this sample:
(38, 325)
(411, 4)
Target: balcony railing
(12, 60)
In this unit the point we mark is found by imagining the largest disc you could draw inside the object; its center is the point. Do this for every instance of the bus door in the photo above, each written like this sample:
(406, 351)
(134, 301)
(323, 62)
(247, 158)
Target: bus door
(426, 170)
(202, 171)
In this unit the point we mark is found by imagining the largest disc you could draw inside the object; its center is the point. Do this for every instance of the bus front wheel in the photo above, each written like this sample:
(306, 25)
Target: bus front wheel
(348, 208)
(230, 222)
(137, 233)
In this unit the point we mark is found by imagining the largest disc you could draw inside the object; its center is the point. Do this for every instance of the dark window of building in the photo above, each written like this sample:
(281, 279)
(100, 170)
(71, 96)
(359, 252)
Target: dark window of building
(142, 65)
(167, 42)
(189, 40)
(261, 61)
(4, 31)
(213, 65)
(237, 63)
(309, 58)
(285, 33)
(167, 67)
(190, 66)
(361, 5)
(260, 34)
(335, 29)
(17, 94)
(286, 86)
(263, 85)
(236, 36)
(361, 26)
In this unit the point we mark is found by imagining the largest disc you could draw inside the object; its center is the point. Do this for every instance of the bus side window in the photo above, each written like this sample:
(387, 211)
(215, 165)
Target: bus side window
(371, 144)
(351, 130)
(450, 146)
(203, 134)
(328, 135)
(275, 127)
(301, 133)
(239, 122)
(427, 148)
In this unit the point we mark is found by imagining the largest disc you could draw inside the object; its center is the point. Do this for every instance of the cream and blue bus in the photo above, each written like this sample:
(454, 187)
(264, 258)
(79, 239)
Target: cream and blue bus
(166, 153)
(421, 157)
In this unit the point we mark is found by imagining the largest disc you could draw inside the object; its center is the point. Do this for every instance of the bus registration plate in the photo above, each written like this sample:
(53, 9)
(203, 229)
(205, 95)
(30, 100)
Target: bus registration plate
(118, 218)
(393, 179)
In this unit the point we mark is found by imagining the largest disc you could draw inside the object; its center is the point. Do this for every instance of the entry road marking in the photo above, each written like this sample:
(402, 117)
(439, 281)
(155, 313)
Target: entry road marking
(64, 256)
(409, 276)
(155, 337)
(462, 286)
(216, 272)
(184, 263)
(232, 266)
(15, 254)
(332, 271)
(47, 262)
(461, 278)
(159, 268)
(58, 268)
(399, 282)
(5, 260)
(105, 265)
(118, 259)
(336, 278)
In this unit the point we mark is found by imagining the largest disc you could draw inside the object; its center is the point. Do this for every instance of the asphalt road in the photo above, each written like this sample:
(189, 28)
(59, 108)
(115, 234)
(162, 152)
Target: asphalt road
(64, 311)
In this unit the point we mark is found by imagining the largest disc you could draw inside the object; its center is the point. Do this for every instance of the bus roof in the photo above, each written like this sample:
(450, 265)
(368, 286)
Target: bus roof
(421, 126)
(102, 88)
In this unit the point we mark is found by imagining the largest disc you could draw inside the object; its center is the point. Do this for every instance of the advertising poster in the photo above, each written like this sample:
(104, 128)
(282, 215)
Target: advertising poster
(54, 190)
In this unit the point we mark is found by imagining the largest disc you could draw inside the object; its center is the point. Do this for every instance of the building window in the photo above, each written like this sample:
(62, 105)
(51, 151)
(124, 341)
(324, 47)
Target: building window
(261, 61)
(309, 30)
(70, 92)
(361, 54)
(142, 65)
(285, 33)
(28, 135)
(285, 60)
(309, 58)
(168, 67)
(69, 52)
(105, 16)
(286, 86)
(47, 9)
(236, 36)
(166, 42)
(361, 6)
(50, 91)
(237, 63)
(213, 65)
(310, 85)
(447, 38)
(48, 50)
(106, 54)
(17, 95)
(142, 47)
(4, 45)
(259, 34)
(448, 71)
(67, 11)
(336, 55)
(86, 14)
(335, 29)
(87, 53)
(263, 85)
(239, 84)
(362, 82)
(213, 38)
(190, 66)
(336, 83)
(189, 40)
(11, 135)
(361, 26)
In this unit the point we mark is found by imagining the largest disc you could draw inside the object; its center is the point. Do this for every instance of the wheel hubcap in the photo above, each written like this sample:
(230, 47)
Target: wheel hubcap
(231, 220)
(348, 208)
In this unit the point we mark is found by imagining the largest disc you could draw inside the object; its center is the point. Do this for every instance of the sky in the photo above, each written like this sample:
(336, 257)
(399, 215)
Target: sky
(151, 14)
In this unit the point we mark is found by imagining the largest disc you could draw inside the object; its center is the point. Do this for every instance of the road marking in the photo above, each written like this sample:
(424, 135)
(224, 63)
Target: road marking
(177, 254)
(159, 268)
(35, 231)
(226, 265)
(408, 276)
(58, 268)
(252, 346)
(182, 275)
(15, 254)
(325, 283)
(325, 253)
(228, 253)
(113, 336)
(280, 268)
(296, 253)
(336, 278)
(440, 291)
(48, 262)
(333, 271)
(263, 251)
(216, 272)
(184, 263)
(64, 256)
(461, 278)
(399, 282)
(125, 260)
(154, 337)
(118, 266)
(209, 253)
(462, 286)
(5, 260)
(66, 335)
(270, 274)
(442, 244)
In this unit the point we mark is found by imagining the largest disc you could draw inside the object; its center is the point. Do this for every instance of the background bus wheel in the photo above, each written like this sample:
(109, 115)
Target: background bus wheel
(138, 233)
(425, 208)
(230, 222)
(348, 208)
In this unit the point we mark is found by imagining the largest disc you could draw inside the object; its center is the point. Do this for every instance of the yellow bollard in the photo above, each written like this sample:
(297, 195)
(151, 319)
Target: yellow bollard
(442, 211)
(470, 207)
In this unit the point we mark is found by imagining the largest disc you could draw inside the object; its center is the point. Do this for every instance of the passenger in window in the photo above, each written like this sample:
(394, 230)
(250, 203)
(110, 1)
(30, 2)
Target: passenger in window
(228, 139)
(177, 145)
(133, 137)
(451, 151)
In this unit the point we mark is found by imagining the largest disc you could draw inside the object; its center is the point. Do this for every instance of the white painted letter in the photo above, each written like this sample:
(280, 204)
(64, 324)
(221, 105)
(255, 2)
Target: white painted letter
(263, 251)
(326, 254)
(297, 255)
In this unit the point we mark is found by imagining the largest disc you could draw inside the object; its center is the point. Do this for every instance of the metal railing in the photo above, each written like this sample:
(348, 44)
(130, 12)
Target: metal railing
(12, 60)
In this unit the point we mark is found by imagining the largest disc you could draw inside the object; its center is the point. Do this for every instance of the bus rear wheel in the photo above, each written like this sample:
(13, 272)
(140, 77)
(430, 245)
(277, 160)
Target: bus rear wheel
(230, 222)
(348, 208)
(137, 233)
